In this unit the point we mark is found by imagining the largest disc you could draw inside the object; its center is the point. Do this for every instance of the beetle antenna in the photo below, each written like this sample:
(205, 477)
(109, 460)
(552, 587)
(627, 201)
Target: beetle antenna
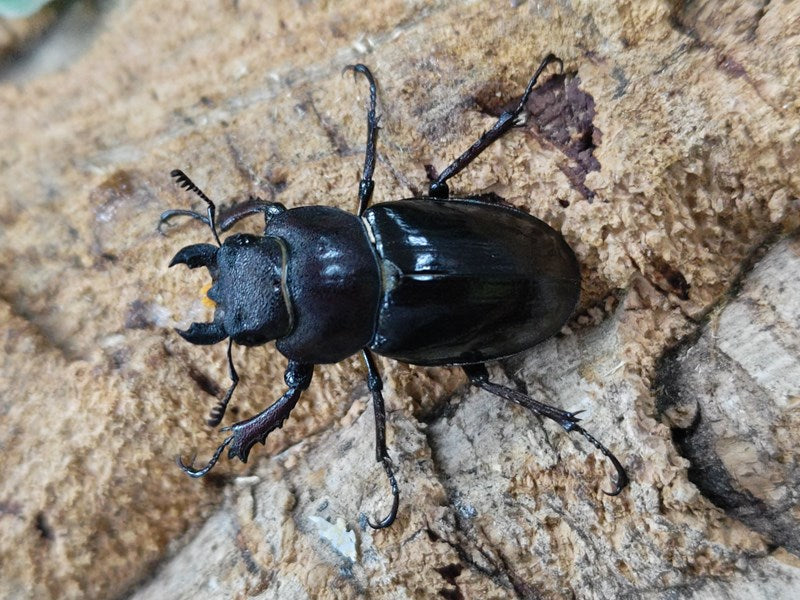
(187, 184)
(622, 477)
(192, 472)
(479, 377)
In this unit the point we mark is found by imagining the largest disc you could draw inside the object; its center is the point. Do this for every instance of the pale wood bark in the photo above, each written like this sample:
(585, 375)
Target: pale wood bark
(677, 204)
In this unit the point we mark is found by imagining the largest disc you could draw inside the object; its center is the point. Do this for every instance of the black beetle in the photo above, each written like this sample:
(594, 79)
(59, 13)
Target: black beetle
(428, 281)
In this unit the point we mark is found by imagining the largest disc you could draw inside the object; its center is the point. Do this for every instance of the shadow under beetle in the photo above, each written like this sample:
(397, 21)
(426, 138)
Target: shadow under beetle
(427, 281)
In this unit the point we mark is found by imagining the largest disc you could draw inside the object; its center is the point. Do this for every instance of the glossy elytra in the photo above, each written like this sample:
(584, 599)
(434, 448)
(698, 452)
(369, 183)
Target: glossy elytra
(433, 280)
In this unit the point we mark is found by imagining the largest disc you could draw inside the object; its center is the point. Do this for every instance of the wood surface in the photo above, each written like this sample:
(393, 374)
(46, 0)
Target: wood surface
(667, 155)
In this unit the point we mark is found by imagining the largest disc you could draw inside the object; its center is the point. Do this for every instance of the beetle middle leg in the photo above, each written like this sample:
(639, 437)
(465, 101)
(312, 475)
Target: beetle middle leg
(256, 429)
(375, 385)
(366, 186)
(506, 121)
(479, 377)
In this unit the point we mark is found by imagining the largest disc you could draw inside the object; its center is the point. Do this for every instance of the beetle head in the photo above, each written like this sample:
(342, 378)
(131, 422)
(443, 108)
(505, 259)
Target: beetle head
(248, 289)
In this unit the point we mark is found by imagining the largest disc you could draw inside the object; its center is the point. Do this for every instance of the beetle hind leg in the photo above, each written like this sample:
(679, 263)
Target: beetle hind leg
(479, 377)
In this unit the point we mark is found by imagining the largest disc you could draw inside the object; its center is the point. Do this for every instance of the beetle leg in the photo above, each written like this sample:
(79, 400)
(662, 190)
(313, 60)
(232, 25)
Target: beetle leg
(256, 429)
(192, 472)
(218, 411)
(375, 385)
(506, 121)
(479, 377)
(366, 186)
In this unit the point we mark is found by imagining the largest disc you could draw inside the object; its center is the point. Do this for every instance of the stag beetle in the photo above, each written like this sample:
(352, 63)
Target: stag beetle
(432, 280)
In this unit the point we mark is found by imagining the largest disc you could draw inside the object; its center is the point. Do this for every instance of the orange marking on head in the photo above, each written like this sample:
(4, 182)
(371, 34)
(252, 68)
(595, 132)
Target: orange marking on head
(206, 300)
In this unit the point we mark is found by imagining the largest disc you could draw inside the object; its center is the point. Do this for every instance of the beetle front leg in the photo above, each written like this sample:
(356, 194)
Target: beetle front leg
(375, 385)
(256, 429)
(479, 377)
(218, 411)
(210, 219)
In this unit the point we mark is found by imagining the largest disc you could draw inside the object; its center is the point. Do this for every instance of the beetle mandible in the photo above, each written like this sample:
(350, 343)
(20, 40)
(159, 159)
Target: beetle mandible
(432, 280)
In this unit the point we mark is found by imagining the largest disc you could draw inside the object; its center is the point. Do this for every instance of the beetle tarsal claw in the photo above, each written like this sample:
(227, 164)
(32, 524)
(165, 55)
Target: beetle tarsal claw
(388, 519)
(192, 472)
(622, 477)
